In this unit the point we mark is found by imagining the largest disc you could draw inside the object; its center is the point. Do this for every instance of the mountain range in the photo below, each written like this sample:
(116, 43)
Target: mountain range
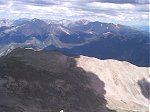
(83, 37)
(43, 81)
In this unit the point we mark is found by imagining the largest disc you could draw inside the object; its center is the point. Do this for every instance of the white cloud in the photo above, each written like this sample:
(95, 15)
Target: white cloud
(75, 9)
(111, 6)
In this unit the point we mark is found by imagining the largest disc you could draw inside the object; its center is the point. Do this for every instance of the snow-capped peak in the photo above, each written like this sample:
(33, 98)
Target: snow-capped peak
(65, 22)
(65, 30)
(82, 21)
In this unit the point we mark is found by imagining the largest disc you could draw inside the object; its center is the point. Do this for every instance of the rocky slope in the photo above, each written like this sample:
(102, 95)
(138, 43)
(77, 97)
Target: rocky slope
(33, 81)
(122, 82)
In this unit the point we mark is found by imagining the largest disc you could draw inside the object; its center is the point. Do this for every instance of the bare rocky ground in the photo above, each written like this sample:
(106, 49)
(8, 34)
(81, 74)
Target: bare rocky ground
(50, 81)
(126, 85)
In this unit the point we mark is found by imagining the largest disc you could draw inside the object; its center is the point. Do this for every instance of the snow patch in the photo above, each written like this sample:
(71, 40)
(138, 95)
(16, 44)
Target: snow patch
(65, 30)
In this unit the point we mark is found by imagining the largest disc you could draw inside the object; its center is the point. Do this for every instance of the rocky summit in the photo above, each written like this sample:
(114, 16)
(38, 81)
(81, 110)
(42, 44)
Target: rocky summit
(42, 81)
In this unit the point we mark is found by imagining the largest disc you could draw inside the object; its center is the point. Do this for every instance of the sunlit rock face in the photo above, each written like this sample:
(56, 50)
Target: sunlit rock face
(36, 81)
(126, 85)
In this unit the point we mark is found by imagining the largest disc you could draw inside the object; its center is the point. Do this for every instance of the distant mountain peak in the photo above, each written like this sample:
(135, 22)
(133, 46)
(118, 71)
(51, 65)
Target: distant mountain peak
(83, 21)
(35, 20)
(78, 37)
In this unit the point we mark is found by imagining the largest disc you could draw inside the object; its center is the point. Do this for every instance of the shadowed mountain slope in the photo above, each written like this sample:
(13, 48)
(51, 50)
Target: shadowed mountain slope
(46, 81)
(95, 39)
(32, 81)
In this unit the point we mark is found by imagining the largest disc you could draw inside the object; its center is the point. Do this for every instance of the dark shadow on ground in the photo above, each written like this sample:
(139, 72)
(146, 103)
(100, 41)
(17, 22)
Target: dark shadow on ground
(145, 88)
(39, 90)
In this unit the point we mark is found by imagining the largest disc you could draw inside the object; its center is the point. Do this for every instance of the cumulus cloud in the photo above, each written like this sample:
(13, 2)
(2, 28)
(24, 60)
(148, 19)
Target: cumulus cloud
(37, 2)
(125, 1)
(119, 11)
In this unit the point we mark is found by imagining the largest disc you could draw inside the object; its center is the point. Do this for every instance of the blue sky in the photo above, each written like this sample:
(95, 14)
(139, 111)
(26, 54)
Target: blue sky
(130, 12)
